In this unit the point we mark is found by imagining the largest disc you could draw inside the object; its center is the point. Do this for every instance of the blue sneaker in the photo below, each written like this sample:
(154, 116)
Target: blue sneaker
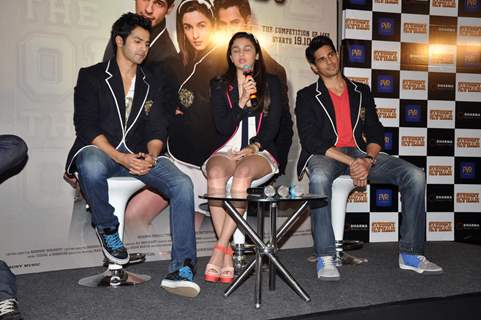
(112, 247)
(418, 263)
(181, 282)
(326, 269)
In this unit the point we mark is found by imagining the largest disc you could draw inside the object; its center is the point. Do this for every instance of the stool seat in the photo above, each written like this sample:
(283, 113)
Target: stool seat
(120, 191)
(341, 188)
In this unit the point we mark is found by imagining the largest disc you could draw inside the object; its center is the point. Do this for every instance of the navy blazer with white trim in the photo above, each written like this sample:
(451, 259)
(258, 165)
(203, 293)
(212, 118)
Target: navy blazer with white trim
(316, 120)
(99, 108)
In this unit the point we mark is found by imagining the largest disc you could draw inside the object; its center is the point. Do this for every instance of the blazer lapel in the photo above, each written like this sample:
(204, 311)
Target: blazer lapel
(354, 102)
(324, 99)
(114, 82)
(233, 92)
(141, 92)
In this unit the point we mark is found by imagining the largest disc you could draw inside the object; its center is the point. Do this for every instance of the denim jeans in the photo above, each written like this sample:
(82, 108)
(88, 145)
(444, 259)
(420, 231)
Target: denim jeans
(8, 288)
(412, 185)
(95, 167)
(13, 151)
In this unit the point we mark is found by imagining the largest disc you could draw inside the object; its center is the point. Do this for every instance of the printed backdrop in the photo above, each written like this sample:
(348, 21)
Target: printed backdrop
(43, 222)
(422, 60)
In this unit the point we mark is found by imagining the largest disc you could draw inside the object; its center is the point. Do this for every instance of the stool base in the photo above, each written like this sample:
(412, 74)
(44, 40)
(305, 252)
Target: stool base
(343, 258)
(114, 279)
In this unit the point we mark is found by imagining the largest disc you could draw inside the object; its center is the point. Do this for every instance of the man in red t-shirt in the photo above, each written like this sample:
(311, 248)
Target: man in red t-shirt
(340, 133)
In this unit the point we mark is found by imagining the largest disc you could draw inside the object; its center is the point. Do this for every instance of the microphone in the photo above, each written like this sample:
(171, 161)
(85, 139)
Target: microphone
(249, 72)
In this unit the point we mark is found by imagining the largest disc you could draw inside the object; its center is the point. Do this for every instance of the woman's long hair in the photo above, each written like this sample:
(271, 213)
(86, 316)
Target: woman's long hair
(259, 72)
(187, 52)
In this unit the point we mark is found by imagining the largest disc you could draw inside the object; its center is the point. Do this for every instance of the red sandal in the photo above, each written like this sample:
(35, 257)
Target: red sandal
(213, 271)
(227, 273)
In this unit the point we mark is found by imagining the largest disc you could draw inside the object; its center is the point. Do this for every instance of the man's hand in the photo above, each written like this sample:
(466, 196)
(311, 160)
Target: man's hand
(137, 163)
(359, 170)
(71, 180)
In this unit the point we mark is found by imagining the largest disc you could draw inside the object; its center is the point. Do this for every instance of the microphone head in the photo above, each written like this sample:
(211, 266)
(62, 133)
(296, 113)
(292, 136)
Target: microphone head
(247, 70)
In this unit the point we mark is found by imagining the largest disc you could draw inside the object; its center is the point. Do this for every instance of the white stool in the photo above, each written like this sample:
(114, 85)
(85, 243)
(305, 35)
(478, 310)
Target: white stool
(120, 191)
(341, 188)
(239, 237)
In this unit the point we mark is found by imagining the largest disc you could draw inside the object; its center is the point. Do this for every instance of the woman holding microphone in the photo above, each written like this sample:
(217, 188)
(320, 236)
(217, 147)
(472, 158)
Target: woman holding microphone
(246, 102)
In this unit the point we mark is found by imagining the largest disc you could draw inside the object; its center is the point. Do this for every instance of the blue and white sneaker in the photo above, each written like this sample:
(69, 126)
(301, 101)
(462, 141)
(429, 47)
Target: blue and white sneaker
(181, 282)
(326, 269)
(418, 263)
(112, 247)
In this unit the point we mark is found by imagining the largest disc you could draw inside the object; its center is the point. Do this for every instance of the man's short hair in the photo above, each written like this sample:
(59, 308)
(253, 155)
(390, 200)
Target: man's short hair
(315, 44)
(170, 2)
(125, 24)
(243, 5)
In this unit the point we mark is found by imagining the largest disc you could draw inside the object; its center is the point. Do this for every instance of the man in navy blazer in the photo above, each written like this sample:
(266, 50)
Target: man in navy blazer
(121, 128)
(340, 133)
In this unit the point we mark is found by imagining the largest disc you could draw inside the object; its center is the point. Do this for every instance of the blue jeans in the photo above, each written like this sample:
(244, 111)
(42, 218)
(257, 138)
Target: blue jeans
(390, 170)
(95, 167)
(13, 152)
(8, 288)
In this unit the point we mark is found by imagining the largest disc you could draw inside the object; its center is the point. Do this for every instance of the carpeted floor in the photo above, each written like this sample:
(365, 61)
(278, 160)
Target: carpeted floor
(56, 295)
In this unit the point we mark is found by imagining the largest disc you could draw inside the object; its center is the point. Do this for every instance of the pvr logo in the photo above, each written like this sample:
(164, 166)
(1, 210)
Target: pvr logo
(383, 227)
(385, 84)
(388, 141)
(441, 115)
(471, 59)
(467, 197)
(467, 170)
(440, 171)
(386, 26)
(386, 113)
(465, 142)
(472, 5)
(383, 198)
(413, 113)
(357, 54)
(358, 197)
(440, 226)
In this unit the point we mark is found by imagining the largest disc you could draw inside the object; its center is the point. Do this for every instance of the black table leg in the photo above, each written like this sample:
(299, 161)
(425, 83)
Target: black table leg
(273, 243)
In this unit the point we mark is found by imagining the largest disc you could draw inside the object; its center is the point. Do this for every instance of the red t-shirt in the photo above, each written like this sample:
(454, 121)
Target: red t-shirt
(343, 119)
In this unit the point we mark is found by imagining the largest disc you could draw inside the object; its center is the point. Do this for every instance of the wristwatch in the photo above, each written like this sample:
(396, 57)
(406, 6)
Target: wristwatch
(373, 160)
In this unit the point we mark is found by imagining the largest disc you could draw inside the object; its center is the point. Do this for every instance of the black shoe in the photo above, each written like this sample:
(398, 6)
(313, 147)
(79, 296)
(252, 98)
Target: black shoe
(9, 310)
(112, 247)
(181, 282)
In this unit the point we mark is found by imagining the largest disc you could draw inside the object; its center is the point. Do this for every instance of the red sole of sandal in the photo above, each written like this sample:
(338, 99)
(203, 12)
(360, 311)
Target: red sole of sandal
(226, 280)
(211, 278)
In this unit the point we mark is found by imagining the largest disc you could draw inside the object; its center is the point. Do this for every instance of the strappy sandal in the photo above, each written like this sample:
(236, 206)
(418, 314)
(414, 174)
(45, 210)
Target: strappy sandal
(213, 271)
(227, 273)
